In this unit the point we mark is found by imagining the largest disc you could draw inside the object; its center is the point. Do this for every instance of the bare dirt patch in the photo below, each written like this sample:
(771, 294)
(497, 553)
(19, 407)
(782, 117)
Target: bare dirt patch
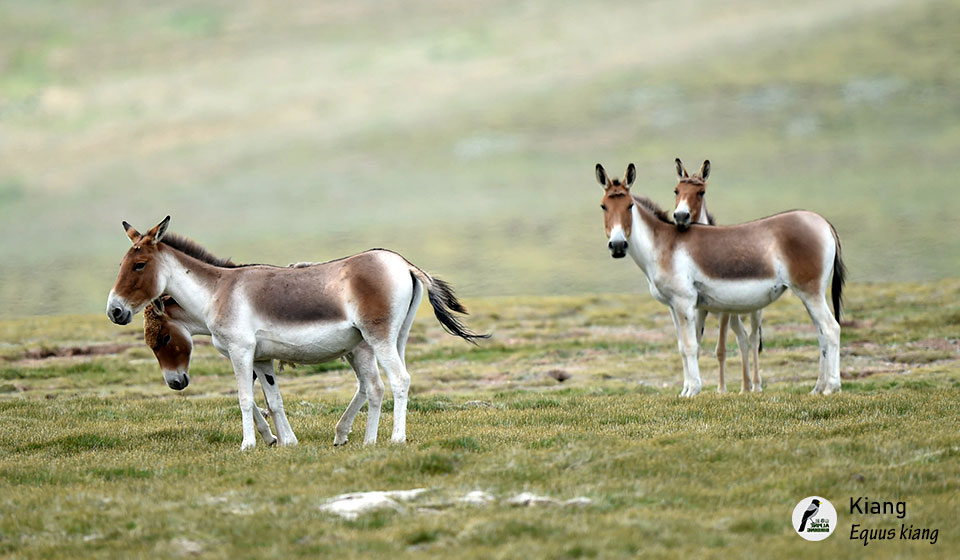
(72, 351)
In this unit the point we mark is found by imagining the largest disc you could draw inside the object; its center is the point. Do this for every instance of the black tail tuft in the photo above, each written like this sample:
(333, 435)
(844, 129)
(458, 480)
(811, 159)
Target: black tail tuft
(444, 302)
(760, 335)
(839, 278)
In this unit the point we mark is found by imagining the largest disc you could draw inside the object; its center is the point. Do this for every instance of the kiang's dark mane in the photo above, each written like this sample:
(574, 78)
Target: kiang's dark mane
(195, 250)
(693, 180)
(652, 207)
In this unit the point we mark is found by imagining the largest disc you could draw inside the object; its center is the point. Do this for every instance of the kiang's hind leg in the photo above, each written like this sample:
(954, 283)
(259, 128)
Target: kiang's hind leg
(755, 319)
(828, 336)
(342, 431)
(369, 388)
(722, 351)
(743, 344)
(389, 347)
(271, 392)
(388, 356)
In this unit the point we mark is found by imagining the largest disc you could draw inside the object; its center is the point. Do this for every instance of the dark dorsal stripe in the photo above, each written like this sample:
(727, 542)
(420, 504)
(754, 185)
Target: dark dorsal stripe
(652, 207)
(195, 250)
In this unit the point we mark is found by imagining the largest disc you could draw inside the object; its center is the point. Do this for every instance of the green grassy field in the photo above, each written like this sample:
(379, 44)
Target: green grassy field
(99, 459)
(464, 134)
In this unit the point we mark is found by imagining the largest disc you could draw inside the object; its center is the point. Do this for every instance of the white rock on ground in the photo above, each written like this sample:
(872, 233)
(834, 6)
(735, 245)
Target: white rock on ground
(351, 506)
(477, 498)
(578, 501)
(527, 499)
(530, 499)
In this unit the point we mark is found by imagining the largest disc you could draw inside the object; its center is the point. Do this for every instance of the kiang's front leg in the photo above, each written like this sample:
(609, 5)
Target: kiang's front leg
(743, 343)
(701, 322)
(755, 334)
(271, 392)
(241, 357)
(684, 318)
(722, 351)
(263, 426)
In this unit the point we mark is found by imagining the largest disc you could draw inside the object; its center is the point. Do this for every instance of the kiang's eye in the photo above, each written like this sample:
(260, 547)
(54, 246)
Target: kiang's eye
(631, 206)
(165, 340)
(604, 207)
(140, 266)
(700, 194)
(676, 191)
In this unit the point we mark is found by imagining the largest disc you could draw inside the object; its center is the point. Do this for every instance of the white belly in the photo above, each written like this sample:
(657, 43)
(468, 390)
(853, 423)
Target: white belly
(308, 344)
(738, 297)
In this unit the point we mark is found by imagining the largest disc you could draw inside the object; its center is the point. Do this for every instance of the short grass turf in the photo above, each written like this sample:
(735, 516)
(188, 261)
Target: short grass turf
(99, 459)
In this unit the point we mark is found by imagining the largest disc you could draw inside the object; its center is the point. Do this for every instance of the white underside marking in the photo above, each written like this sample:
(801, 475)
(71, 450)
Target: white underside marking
(309, 343)
(740, 296)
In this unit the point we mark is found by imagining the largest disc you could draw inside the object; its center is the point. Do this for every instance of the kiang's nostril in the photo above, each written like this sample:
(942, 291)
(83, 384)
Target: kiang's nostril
(610, 245)
(116, 312)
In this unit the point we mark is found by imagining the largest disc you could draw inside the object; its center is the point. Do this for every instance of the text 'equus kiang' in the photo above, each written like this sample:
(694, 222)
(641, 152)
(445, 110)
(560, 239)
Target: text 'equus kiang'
(731, 269)
(691, 208)
(360, 307)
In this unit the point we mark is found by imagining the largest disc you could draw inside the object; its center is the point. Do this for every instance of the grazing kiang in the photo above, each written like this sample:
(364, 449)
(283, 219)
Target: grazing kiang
(360, 307)
(729, 269)
(691, 208)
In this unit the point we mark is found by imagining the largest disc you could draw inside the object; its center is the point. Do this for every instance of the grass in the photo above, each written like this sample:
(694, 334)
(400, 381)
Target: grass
(99, 459)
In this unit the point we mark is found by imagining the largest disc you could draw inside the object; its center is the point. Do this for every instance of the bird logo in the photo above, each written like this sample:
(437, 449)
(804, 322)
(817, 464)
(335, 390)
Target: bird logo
(814, 518)
(812, 510)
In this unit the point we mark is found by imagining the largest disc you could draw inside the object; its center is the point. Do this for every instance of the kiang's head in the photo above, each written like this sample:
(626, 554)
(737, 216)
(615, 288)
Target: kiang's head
(141, 278)
(170, 341)
(690, 191)
(617, 205)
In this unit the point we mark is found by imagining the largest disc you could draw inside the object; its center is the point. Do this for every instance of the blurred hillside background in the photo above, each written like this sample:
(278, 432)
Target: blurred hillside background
(464, 134)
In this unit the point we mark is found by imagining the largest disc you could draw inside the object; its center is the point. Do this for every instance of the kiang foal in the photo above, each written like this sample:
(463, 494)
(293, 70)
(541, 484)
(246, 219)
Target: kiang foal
(360, 307)
(691, 208)
(168, 330)
(729, 269)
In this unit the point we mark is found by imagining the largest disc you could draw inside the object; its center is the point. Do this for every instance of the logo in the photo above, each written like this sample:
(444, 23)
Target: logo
(814, 518)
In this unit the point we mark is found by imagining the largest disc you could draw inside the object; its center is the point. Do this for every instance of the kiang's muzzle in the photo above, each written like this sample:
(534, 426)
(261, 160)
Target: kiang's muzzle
(118, 311)
(176, 380)
(618, 249)
(618, 243)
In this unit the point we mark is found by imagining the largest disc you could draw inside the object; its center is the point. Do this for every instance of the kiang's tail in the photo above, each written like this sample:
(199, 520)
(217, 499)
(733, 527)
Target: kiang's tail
(445, 304)
(839, 277)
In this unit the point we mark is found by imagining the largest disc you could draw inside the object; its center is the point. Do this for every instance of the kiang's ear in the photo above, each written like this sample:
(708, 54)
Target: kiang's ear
(601, 176)
(705, 169)
(131, 232)
(681, 170)
(630, 176)
(156, 234)
(158, 305)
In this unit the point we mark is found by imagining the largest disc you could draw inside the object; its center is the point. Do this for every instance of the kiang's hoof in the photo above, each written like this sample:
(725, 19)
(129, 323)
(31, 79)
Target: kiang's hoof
(273, 442)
